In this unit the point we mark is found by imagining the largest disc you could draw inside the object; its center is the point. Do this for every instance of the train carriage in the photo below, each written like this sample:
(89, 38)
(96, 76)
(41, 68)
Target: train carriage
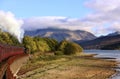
(7, 51)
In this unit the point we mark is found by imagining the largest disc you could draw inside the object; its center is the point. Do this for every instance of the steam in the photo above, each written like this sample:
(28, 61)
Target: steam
(9, 23)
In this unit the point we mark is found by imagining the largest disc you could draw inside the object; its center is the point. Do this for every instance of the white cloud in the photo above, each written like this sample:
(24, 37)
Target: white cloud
(57, 22)
(104, 19)
(103, 5)
(104, 12)
(115, 26)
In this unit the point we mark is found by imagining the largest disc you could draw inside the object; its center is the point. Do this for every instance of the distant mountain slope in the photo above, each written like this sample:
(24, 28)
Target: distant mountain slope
(115, 33)
(61, 34)
(115, 46)
(100, 42)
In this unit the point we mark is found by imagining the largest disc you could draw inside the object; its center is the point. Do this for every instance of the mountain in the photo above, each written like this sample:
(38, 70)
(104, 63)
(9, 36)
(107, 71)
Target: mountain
(101, 42)
(114, 46)
(115, 33)
(61, 34)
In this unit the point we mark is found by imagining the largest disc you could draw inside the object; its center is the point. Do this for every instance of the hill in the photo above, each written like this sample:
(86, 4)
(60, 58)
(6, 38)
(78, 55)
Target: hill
(101, 42)
(115, 46)
(115, 33)
(61, 34)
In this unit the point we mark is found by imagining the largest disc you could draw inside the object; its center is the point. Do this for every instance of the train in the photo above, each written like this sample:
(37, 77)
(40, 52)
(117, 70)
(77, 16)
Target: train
(7, 51)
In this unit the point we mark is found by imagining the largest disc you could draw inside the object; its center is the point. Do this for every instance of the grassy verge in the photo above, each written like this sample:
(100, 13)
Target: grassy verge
(67, 67)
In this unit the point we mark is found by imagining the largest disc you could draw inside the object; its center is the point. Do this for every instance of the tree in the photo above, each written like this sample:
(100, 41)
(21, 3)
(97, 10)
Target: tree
(29, 44)
(62, 45)
(69, 48)
(41, 44)
(6, 38)
(52, 43)
(72, 48)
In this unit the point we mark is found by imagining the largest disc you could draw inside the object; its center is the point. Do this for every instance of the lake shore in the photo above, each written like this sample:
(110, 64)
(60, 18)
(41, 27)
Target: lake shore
(109, 55)
(68, 67)
(117, 74)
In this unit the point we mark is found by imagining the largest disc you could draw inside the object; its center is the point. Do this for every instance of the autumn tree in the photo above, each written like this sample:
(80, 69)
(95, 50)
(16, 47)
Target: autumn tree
(29, 44)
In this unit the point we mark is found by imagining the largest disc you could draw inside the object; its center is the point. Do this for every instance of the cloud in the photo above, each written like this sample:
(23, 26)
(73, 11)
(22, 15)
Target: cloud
(103, 5)
(105, 14)
(109, 7)
(104, 10)
(104, 19)
(115, 26)
(56, 22)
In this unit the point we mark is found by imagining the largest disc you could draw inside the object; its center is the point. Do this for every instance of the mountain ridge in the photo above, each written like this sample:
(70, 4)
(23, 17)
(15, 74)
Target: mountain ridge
(100, 42)
(61, 34)
(114, 33)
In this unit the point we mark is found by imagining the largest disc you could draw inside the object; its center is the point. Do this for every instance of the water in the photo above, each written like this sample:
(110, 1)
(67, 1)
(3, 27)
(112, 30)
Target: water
(109, 54)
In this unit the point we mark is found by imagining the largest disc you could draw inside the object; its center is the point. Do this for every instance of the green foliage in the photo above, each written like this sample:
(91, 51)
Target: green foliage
(41, 44)
(6, 38)
(37, 44)
(52, 43)
(30, 44)
(14, 41)
(62, 45)
(72, 48)
(59, 53)
(69, 48)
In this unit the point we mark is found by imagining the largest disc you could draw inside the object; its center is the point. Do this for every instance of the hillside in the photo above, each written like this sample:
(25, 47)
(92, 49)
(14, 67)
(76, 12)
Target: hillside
(114, 33)
(101, 42)
(61, 34)
(115, 46)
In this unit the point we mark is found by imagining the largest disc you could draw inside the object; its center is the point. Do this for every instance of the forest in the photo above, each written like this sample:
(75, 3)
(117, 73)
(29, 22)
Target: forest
(38, 44)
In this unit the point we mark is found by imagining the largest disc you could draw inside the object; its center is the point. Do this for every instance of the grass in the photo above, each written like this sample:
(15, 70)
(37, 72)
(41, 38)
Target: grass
(67, 67)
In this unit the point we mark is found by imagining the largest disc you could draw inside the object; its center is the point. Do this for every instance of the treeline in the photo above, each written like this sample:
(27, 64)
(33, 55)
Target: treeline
(115, 46)
(38, 44)
(35, 44)
(6, 38)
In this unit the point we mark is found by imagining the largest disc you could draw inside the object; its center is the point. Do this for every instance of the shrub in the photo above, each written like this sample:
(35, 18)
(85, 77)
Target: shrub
(62, 45)
(72, 48)
(59, 53)
(30, 44)
(69, 48)
(52, 43)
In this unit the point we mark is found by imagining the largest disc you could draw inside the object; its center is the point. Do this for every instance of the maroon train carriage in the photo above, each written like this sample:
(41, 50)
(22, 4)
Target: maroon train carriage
(7, 51)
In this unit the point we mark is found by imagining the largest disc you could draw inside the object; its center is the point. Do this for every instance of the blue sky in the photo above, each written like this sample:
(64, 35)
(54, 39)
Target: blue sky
(30, 8)
(99, 17)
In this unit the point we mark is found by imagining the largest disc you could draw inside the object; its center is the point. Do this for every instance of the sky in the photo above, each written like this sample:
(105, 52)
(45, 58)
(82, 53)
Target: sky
(99, 17)
(35, 8)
